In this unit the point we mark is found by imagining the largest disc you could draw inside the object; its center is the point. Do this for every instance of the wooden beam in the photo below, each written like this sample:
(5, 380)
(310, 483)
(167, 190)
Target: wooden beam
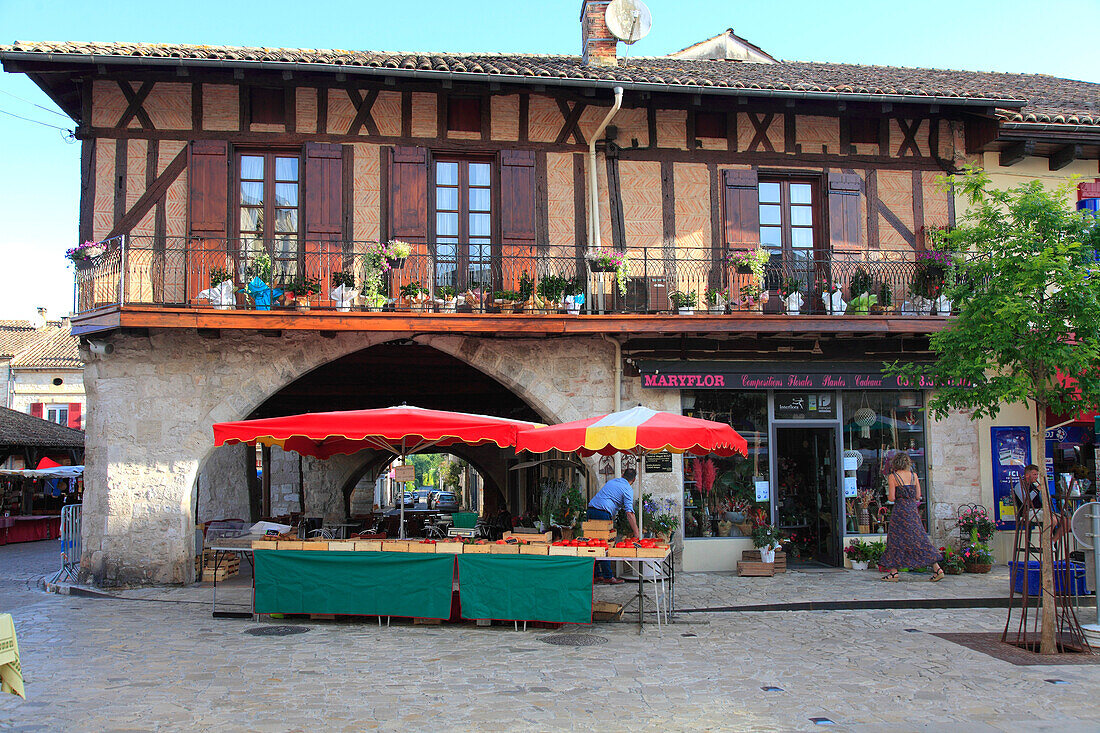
(570, 127)
(134, 107)
(1065, 155)
(1016, 152)
(152, 194)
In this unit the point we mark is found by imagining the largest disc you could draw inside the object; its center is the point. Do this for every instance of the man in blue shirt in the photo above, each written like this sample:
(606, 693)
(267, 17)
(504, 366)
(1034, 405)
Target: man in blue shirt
(616, 494)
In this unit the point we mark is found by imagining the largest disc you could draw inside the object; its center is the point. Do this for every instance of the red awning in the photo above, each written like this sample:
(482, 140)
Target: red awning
(1057, 420)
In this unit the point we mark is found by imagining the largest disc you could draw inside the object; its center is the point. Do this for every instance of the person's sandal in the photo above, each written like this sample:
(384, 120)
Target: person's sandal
(615, 581)
(937, 576)
(890, 577)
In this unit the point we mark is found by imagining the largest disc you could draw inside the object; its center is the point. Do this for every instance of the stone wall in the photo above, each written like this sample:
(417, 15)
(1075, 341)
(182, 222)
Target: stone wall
(153, 400)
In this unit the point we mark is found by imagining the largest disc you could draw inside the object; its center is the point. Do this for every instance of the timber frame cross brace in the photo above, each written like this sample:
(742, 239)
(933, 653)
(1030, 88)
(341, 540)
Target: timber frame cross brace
(760, 127)
(134, 107)
(909, 137)
(363, 106)
(571, 126)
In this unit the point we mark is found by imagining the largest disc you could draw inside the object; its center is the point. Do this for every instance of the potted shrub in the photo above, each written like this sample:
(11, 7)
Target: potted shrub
(975, 526)
(791, 293)
(396, 252)
(343, 291)
(861, 283)
(221, 294)
(505, 300)
(552, 289)
(767, 539)
(302, 289)
(447, 299)
(752, 298)
(683, 302)
(858, 553)
(952, 562)
(832, 297)
(716, 302)
(885, 299)
(415, 295)
(933, 267)
(876, 549)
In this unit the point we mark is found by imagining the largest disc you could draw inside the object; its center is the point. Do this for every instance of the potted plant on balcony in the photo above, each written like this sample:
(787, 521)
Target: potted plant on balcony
(885, 299)
(574, 296)
(749, 262)
(447, 299)
(343, 291)
(552, 289)
(716, 302)
(302, 289)
(259, 271)
(415, 295)
(832, 297)
(609, 260)
(933, 268)
(752, 298)
(83, 255)
(395, 253)
(683, 302)
(505, 300)
(791, 293)
(221, 293)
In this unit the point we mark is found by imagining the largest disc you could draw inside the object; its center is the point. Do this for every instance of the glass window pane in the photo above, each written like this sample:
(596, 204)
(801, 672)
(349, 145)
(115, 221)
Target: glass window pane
(802, 238)
(286, 169)
(252, 220)
(286, 247)
(480, 199)
(252, 194)
(479, 174)
(286, 194)
(801, 193)
(445, 251)
(802, 216)
(250, 247)
(769, 193)
(446, 199)
(771, 236)
(480, 225)
(446, 224)
(446, 174)
(252, 167)
(771, 214)
(286, 221)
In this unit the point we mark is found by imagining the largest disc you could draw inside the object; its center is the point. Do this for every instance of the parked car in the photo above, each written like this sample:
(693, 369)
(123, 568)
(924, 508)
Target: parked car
(408, 498)
(445, 501)
(423, 498)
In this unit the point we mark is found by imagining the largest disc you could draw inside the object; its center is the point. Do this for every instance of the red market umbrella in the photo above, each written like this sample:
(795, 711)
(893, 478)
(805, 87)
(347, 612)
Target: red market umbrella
(401, 430)
(637, 431)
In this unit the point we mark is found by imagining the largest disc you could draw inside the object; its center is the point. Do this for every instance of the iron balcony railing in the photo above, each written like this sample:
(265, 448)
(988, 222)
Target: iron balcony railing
(174, 271)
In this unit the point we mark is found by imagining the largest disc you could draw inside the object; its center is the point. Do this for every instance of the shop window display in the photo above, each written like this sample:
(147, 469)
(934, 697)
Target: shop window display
(720, 494)
(877, 425)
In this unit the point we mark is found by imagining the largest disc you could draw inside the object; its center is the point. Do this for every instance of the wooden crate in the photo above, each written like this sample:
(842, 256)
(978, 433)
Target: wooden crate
(368, 545)
(598, 525)
(537, 548)
(622, 552)
(756, 569)
(600, 534)
(653, 551)
(477, 549)
(455, 548)
(209, 574)
(533, 537)
(395, 546)
(567, 551)
(592, 551)
(503, 549)
(605, 611)
(421, 547)
(290, 544)
(323, 546)
(754, 556)
(265, 545)
(342, 545)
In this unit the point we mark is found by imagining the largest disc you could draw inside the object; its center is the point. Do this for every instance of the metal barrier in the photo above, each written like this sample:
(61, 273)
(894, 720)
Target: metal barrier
(71, 547)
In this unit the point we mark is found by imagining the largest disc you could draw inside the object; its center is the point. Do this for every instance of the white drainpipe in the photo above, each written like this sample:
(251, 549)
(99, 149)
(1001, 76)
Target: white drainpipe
(593, 191)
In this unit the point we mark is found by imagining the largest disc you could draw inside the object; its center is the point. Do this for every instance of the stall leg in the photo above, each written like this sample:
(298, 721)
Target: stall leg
(641, 598)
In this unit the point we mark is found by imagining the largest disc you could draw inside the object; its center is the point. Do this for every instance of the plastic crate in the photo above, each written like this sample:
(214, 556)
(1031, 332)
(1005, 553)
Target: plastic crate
(1034, 578)
(464, 520)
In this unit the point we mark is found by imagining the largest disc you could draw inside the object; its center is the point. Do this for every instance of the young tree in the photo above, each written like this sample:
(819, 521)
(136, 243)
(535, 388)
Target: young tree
(1027, 330)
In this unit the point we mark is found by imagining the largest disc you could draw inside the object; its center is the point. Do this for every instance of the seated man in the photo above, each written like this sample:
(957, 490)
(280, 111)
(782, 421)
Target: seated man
(1027, 494)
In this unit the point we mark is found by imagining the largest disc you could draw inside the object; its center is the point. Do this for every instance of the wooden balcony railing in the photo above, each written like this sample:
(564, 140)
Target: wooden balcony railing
(174, 271)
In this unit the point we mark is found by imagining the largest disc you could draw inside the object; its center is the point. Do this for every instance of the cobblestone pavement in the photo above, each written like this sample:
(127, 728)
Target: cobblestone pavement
(109, 664)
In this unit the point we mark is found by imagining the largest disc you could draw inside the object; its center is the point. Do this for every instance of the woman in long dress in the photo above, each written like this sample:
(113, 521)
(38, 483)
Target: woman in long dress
(907, 544)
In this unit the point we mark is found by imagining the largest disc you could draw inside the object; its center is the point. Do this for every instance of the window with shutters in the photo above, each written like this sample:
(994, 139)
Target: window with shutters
(789, 219)
(268, 186)
(463, 222)
(58, 414)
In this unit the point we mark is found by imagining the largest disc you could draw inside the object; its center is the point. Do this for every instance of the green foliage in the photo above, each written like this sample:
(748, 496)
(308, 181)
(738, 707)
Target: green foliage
(343, 278)
(413, 289)
(218, 275)
(1028, 306)
(682, 299)
(427, 467)
(790, 286)
(885, 295)
(526, 286)
(510, 295)
(712, 296)
(553, 287)
(260, 266)
(766, 535)
(450, 472)
(446, 292)
(860, 284)
(304, 286)
(862, 303)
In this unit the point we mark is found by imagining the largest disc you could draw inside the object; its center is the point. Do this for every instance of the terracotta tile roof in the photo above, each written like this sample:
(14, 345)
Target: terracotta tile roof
(20, 429)
(1044, 98)
(55, 348)
(16, 336)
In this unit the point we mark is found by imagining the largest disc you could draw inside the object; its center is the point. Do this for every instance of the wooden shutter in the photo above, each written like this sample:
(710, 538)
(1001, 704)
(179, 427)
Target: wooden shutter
(409, 210)
(844, 217)
(74, 415)
(324, 211)
(741, 208)
(208, 212)
(517, 215)
(36, 409)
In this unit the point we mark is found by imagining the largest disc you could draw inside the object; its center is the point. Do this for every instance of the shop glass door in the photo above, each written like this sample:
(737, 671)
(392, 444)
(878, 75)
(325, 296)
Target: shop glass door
(807, 495)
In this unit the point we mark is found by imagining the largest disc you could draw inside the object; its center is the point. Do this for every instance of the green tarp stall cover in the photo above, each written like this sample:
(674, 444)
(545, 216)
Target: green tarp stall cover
(354, 583)
(526, 588)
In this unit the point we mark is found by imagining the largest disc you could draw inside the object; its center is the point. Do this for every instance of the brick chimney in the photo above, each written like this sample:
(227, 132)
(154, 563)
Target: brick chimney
(597, 43)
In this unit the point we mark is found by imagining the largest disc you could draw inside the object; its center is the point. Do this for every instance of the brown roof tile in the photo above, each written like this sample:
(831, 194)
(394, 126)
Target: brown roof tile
(19, 429)
(1044, 98)
(56, 348)
(16, 336)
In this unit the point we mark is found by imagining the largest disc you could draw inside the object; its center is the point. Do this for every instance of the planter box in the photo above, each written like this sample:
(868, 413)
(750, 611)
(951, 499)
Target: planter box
(754, 556)
(756, 569)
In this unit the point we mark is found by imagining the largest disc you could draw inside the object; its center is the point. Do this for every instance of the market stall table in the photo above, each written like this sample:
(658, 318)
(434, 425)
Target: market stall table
(29, 528)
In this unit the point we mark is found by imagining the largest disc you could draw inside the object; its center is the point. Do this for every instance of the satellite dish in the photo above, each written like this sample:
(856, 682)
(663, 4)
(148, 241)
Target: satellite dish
(1082, 524)
(628, 20)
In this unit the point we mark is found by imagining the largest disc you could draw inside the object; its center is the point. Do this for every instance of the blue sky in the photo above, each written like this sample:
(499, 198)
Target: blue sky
(39, 170)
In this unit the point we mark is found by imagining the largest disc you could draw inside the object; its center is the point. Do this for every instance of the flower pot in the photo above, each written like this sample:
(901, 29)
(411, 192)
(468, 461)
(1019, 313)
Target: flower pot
(83, 264)
(716, 310)
(686, 311)
(978, 567)
(943, 306)
(951, 570)
(834, 303)
(793, 304)
(744, 270)
(859, 564)
(396, 263)
(601, 267)
(767, 554)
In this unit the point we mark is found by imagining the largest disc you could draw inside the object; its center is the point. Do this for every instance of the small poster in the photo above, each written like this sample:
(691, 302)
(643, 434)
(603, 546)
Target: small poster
(851, 463)
(658, 462)
(851, 487)
(404, 473)
(763, 492)
(1011, 452)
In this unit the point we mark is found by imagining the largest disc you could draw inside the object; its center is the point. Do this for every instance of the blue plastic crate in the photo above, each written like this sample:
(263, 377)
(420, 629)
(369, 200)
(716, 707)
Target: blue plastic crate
(1035, 582)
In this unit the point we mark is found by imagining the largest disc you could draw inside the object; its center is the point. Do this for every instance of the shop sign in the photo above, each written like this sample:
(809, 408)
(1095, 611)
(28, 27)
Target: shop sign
(404, 473)
(711, 375)
(1011, 453)
(805, 406)
(658, 462)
